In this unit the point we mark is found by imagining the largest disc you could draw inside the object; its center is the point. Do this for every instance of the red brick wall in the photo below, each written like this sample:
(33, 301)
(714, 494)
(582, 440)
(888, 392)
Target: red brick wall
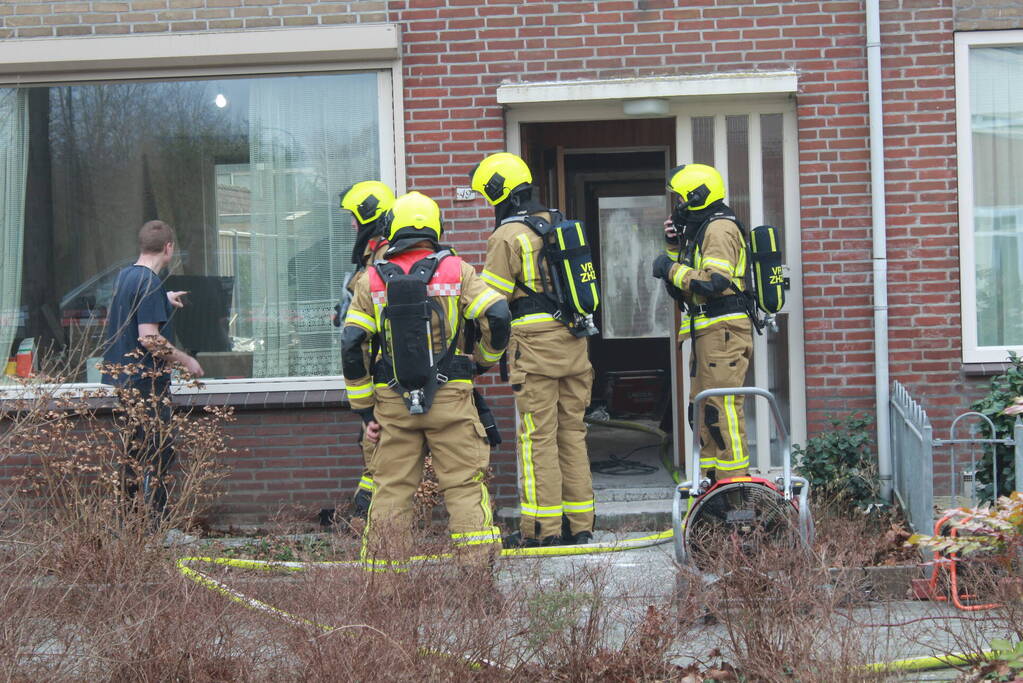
(923, 237)
(292, 461)
(974, 15)
(456, 54)
(286, 464)
(56, 18)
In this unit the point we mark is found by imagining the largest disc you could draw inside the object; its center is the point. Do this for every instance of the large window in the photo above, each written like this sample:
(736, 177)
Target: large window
(989, 88)
(247, 171)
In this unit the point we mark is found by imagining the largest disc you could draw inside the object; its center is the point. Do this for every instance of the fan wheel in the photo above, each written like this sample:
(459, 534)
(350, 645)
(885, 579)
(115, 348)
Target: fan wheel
(747, 517)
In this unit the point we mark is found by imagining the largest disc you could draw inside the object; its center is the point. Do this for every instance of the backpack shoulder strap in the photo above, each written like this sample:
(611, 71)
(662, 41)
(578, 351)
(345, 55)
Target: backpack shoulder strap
(387, 270)
(424, 268)
(538, 225)
(701, 232)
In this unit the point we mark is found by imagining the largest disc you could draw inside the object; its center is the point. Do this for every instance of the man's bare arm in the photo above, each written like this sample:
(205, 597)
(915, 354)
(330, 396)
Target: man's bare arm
(155, 343)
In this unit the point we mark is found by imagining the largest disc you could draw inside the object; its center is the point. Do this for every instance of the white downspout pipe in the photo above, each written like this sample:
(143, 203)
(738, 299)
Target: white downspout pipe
(880, 238)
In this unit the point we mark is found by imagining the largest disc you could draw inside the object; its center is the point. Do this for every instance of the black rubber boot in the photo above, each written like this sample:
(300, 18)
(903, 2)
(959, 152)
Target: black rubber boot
(544, 542)
(513, 540)
(582, 538)
(566, 531)
(568, 538)
(516, 540)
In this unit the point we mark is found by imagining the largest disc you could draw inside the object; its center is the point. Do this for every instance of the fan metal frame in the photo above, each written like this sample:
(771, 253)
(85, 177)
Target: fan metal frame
(794, 490)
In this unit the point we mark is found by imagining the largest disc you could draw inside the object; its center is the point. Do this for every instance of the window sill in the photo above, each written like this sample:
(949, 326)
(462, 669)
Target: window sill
(265, 400)
(263, 394)
(984, 369)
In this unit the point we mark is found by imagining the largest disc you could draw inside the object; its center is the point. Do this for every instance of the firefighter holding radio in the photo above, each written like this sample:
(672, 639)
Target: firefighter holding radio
(414, 304)
(705, 270)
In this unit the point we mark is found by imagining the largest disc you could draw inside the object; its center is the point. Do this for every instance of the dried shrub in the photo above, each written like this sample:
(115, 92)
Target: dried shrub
(87, 588)
(780, 614)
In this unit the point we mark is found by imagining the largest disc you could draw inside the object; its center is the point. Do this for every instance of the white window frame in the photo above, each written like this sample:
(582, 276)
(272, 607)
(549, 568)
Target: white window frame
(964, 41)
(718, 96)
(337, 49)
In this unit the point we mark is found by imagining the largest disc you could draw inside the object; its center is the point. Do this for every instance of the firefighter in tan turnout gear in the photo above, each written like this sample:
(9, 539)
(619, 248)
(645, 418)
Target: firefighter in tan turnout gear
(548, 363)
(705, 268)
(368, 202)
(417, 303)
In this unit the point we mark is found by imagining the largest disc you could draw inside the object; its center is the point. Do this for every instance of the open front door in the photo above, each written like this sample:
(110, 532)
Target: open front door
(610, 175)
(613, 172)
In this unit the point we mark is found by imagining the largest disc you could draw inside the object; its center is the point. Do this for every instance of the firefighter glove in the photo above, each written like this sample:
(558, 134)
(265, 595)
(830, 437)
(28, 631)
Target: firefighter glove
(662, 266)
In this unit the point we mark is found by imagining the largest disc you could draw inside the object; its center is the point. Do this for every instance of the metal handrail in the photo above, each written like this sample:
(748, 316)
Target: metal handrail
(973, 460)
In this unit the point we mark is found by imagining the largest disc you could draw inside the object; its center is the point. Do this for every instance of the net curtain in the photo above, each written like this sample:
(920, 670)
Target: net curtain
(309, 138)
(13, 176)
(997, 127)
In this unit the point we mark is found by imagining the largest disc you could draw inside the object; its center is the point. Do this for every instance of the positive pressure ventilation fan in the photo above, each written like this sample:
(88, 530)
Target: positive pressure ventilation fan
(747, 517)
(743, 514)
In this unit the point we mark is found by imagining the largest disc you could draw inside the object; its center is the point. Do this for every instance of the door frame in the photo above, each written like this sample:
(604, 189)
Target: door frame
(683, 109)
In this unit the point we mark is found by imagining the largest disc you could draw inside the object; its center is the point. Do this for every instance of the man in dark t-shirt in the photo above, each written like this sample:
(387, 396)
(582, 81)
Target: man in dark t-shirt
(137, 340)
(139, 298)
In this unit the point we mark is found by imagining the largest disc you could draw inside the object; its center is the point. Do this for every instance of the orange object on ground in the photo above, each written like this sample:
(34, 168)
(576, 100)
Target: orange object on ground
(949, 563)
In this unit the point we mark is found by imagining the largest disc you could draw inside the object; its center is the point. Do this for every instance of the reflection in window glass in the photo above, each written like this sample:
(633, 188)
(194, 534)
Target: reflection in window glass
(14, 159)
(996, 105)
(633, 302)
(247, 171)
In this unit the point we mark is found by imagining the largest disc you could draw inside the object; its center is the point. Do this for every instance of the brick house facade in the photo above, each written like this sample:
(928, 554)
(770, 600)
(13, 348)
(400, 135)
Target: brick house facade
(454, 55)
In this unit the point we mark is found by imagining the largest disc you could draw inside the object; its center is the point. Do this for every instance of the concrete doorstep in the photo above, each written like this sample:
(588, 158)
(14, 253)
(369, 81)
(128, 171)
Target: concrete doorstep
(632, 515)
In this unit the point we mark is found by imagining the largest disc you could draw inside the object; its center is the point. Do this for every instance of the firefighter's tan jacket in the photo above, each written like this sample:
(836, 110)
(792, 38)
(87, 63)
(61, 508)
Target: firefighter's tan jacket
(722, 251)
(514, 255)
(471, 301)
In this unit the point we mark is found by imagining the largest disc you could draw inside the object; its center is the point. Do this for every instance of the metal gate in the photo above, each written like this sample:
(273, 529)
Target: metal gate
(912, 448)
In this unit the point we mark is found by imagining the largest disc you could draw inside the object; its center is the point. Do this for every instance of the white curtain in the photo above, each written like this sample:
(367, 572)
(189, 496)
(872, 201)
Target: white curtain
(309, 138)
(996, 104)
(13, 174)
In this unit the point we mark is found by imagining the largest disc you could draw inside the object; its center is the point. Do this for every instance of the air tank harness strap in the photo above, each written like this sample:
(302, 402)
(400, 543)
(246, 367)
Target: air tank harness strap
(534, 302)
(719, 305)
(457, 368)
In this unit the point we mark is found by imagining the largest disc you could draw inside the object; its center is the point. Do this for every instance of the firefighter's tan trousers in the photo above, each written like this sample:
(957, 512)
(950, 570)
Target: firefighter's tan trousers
(552, 380)
(721, 357)
(368, 448)
(452, 432)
